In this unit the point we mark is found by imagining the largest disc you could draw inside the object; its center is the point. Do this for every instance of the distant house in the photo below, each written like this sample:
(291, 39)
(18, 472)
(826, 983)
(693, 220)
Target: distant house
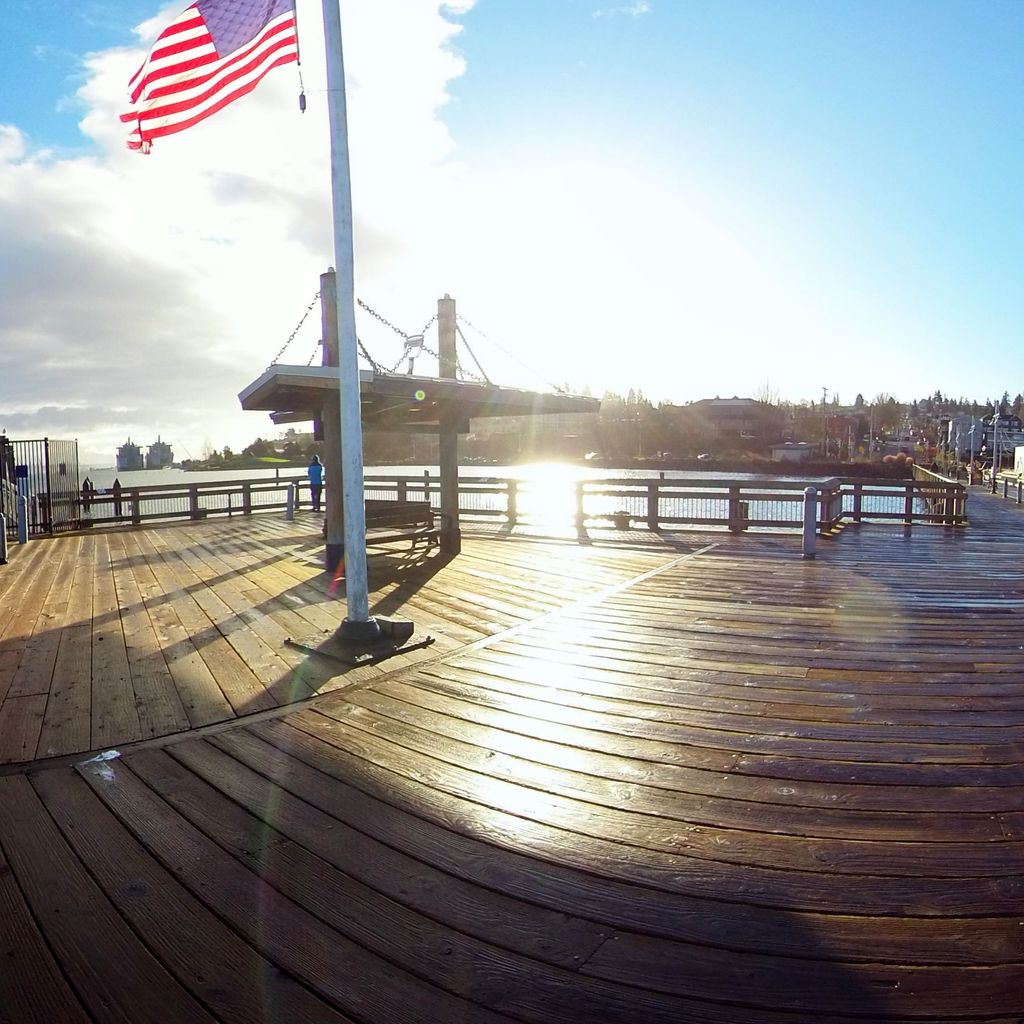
(129, 456)
(740, 418)
(160, 455)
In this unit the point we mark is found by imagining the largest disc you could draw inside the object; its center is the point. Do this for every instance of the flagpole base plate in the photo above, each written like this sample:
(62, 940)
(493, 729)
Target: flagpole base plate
(355, 631)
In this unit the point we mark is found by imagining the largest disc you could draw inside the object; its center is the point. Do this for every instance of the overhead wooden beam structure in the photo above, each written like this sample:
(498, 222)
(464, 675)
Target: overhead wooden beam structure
(402, 403)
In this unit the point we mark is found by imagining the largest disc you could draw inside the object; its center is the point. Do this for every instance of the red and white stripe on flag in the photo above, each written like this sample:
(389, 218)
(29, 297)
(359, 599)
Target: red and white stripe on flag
(185, 79)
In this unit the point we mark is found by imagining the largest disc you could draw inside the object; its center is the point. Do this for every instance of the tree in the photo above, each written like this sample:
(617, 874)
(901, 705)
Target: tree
(259, 449)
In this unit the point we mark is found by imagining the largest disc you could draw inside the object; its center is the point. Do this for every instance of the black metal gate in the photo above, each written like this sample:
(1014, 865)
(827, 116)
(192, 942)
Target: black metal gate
(46, 472)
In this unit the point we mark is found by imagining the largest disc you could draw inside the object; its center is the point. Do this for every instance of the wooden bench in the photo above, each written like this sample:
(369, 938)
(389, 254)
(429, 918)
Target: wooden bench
(390, 521)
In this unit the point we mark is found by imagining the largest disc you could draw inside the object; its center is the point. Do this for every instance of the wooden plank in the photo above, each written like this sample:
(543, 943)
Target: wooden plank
(21, 719)
(202, 699)
(467, 968)
(221, 970)
(115, 718)
(550, 936)
(368, 986)
(647, 908)
(32, 988)
(573, 801)
(561, 767)
(35, 672)
(235, 679)
(85, 932)
(67, 721)
(156, 698)
(565, 704)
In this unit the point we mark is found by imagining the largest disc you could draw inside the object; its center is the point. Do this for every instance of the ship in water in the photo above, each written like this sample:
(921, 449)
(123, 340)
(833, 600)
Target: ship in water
(159, 456)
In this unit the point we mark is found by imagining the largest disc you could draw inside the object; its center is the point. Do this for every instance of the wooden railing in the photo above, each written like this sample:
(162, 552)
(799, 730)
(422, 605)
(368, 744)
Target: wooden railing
(651, 503)
(1010, 484)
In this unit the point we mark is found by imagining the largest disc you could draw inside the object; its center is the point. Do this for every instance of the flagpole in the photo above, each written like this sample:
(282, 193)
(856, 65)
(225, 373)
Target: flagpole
(358, 626)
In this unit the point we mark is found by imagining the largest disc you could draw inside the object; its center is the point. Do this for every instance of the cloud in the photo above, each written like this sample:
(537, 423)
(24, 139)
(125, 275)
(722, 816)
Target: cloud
(141, 294)
(633, 10)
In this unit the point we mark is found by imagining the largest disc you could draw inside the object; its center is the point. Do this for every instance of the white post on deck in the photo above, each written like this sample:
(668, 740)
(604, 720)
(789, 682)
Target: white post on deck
(995, 448)
(810, 536)
(358, 626)
(3, 538)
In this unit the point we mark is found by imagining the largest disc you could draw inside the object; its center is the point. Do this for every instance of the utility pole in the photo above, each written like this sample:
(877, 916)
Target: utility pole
(824, 423)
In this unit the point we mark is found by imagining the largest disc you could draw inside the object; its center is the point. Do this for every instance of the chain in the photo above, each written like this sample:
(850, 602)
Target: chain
(402, 334)
(486, 379)
(366, 355)
(312, 355)
(483, 334)
(383, 320)
(298, 327)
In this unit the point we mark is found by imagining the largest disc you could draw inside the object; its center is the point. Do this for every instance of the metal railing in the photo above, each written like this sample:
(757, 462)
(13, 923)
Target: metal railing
(44, 473)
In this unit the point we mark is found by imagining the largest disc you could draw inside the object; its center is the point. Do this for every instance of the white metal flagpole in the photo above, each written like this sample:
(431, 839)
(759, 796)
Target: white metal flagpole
(358, 625)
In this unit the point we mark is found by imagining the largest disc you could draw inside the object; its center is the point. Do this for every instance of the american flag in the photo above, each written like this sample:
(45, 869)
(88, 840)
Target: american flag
(211, 54)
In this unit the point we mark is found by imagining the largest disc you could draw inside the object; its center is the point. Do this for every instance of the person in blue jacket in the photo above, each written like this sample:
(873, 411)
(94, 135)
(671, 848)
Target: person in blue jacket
(316, 481)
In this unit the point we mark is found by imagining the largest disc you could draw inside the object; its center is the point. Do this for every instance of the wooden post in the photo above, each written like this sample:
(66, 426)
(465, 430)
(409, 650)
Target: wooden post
(1019, 487)
(581, 519)
(512, 501)
(247, 499)
(858, 499)
(289, 503)
(908, 505)
(133, 498)
(653, 493)
(810, 532)
(193, 502)
(735, 518)
(330, 419)
(401, 491)
(448, 431)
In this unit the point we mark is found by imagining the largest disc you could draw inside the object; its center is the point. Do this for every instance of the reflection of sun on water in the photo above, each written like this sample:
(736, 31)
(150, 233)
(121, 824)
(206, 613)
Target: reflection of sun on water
(547, 496)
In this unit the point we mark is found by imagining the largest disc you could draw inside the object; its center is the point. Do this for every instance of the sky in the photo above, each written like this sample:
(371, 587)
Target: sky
(694, 198)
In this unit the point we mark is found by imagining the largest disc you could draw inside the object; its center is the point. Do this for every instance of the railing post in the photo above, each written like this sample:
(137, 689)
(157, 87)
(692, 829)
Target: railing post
(247, 499)
(653, 498)
(22, 508)
(401, 490)
(512, 501)
(810, 532)
(289, 503)
(133, 498)
(580, 515)
(3, 539)
(735, 517)
(193, 501)
(1019, 487)
(908, 506)
(858, 499)
(426, 485)
(1006, 488)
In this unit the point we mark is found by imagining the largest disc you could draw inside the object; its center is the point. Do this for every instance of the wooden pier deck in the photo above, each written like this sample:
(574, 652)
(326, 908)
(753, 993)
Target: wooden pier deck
(690, 780)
